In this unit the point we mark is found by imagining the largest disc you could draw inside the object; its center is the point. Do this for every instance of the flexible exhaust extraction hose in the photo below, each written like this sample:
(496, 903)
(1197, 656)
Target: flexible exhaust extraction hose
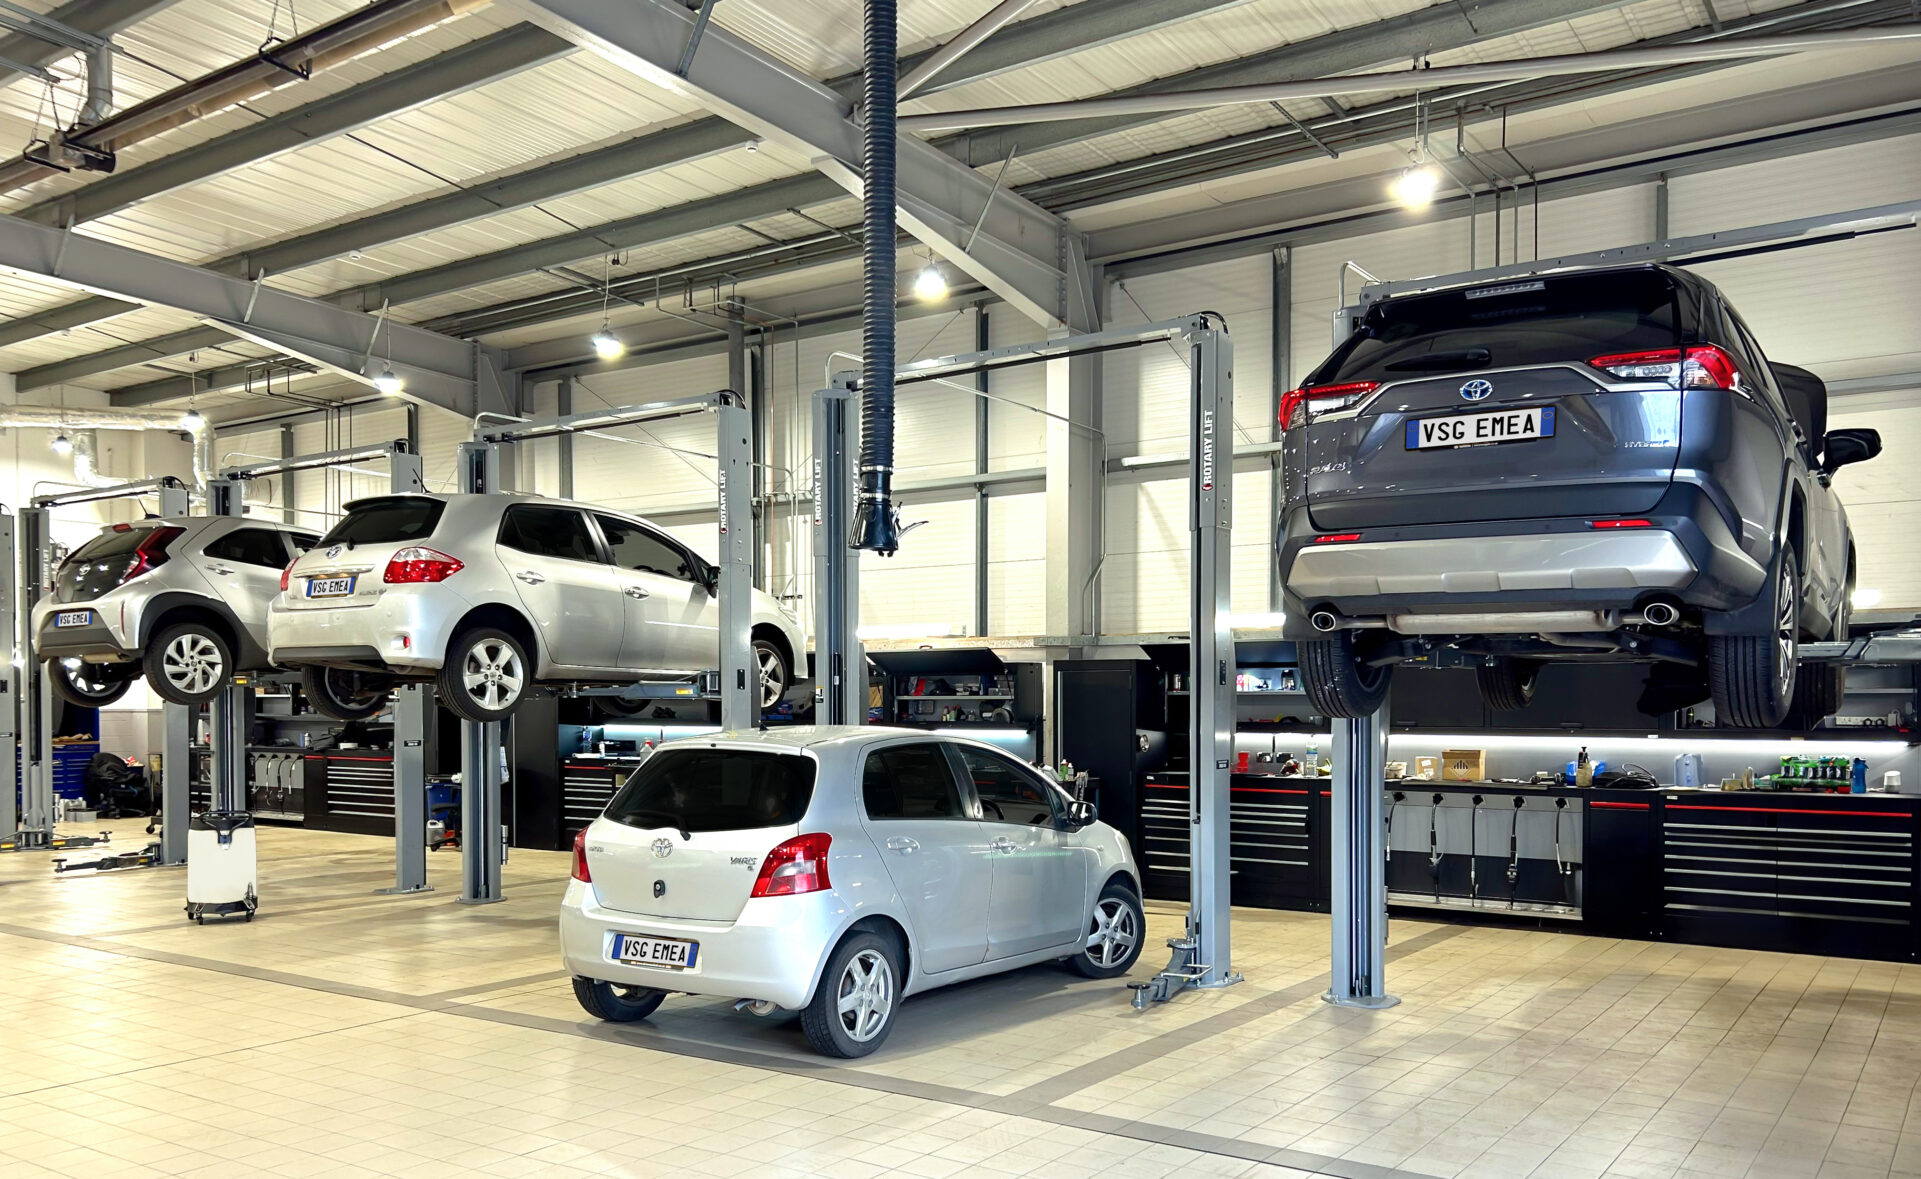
(876, 518)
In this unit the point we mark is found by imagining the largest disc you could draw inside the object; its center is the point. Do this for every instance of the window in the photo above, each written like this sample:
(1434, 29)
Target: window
(638, 549)
(387, 520)
(910, 782)
(548, 532)
(1008, 793)
(302, 541)
(250, 546)
(698, 790)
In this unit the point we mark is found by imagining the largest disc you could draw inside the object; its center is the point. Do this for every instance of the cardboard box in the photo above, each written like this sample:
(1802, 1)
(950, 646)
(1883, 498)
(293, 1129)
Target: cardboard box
(1463, 765)
(1427, 768)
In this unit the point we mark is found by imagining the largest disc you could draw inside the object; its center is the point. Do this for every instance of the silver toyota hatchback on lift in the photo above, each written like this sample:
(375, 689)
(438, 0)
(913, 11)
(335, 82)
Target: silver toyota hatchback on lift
(1586, 465)
(489, 595)
(182, 601)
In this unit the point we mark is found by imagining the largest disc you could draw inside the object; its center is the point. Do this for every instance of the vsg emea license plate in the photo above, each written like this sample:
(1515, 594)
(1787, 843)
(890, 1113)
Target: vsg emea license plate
(329, 587)
(73, 618)
(1479, 429)
(670, 952)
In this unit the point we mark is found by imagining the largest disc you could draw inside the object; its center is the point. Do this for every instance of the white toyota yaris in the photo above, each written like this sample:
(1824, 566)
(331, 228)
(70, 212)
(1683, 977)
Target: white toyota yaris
(836, 870)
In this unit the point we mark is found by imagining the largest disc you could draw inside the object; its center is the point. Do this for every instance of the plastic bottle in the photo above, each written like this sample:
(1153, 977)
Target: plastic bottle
(1583, 769)
(1312, 761)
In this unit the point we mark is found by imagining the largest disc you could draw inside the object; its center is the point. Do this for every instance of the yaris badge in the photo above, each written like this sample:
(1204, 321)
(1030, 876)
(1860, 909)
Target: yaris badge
(663, 848)
(1477, 390)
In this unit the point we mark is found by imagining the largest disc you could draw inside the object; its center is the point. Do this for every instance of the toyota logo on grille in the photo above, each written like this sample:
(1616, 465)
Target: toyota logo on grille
(1477, 390)
(663, 848)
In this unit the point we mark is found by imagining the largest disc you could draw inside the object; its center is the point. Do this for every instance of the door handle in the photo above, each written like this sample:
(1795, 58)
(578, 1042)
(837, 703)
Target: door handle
(634, 591)
(530, 577)
(1004, 845)
(220, 569)
(904, 845)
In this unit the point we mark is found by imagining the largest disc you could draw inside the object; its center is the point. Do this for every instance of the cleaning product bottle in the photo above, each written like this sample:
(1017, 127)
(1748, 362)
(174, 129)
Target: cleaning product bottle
(1311, 764)
(1583, 769)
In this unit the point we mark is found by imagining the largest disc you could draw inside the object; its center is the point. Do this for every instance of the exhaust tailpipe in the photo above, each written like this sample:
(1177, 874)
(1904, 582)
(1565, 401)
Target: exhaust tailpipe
(1659, 613)
(1325, 621)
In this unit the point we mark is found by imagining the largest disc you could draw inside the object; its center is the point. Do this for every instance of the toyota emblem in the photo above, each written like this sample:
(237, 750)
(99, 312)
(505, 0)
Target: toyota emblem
(1477, 390)
(333, 551)
(663, 848)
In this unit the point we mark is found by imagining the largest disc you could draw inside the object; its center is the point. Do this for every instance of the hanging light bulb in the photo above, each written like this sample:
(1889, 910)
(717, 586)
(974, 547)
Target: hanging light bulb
(61, 444)
(389, 382)
(607, 345)
(930, 284)
(191, 421)
(1415, 187)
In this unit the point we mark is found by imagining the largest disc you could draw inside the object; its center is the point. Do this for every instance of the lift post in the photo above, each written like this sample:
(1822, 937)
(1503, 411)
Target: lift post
(1203, 955)
(227, 713)
(35, 700)
(481, 842)
(1358, 864)
(404, 475)
(840, 679)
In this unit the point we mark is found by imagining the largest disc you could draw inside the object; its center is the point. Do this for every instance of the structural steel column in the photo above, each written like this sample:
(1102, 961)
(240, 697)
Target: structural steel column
(36, 700)
(1280, 378)
(982, 458)
(176, 736)
(404, 474)
(840, 671)
(9, 678)
(1357, 857)
(1211, 637)
(482, 845)
(564, 405)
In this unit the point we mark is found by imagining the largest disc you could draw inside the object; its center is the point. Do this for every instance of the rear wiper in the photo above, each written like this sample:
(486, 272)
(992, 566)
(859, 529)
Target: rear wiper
(676, 823)
(1441, 361)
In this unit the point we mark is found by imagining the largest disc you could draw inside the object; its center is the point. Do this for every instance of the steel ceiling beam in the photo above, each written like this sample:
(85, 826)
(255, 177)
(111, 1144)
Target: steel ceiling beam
(1018, 250)
(1089, 24)
(438, 370)
(99, 18)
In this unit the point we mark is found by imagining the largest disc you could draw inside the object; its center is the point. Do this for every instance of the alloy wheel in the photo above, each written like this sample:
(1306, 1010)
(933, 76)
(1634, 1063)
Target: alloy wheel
(90, 678)
(1111, 934)
(865, 995)
(492, 674)
(193, 664)
(773, 676)
(1786, 619)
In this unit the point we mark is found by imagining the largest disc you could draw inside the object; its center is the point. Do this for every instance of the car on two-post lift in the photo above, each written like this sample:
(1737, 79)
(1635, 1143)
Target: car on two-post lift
(1593, 465)
(488, 595)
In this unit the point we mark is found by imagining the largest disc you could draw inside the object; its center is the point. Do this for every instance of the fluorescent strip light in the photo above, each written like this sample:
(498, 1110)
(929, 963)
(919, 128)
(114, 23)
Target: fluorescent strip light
(911, 630)
(983, 734)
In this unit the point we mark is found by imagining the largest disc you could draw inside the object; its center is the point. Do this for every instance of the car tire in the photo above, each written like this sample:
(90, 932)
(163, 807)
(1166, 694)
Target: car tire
(1752, 677)
(1338, 684)
(188, 663)
(616, 1002)
(1116, 930)
(1507, 684)
(486, 675)
(772, 676)
(343, 695)
(1818, 688)
(863, 973)
(93, 686)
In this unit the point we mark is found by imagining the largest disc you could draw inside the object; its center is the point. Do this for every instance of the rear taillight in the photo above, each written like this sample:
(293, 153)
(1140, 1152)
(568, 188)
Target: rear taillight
(1323, 399)
(795, 867)
(150, 553)
(580, 858)
(417, 563)
(1620, 523)
(285, 574)
(1336, 537)
(1699, 366)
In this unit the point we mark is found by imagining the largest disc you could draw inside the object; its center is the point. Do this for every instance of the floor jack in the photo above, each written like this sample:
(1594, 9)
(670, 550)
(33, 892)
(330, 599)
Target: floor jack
(146, 857)
(38, 841)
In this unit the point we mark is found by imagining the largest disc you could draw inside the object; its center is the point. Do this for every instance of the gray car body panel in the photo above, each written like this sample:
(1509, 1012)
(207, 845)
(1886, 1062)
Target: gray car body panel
(1726, 473)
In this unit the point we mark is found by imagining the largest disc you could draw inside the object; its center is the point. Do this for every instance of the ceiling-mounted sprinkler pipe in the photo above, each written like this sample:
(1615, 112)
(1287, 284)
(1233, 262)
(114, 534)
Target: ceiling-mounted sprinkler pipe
(876, 519)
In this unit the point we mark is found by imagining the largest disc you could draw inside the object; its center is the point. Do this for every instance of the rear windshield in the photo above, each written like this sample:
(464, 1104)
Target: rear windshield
(110, 544)
(697, 790)
(1551, 320)
(388, 521)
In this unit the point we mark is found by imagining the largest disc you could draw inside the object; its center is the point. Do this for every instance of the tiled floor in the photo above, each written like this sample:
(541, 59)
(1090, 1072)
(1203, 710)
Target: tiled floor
(344, 1034)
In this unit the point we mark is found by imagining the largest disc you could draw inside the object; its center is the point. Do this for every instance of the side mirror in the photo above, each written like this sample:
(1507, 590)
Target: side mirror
(1081, 813)
(1842, 447)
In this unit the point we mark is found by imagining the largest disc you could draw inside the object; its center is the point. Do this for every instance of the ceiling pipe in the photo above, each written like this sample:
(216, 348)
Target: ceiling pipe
(1402, 80)
(329, 45)
(960, 45)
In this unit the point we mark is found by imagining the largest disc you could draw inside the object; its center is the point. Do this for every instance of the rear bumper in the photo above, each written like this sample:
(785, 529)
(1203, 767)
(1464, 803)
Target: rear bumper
(398, 631)
(1688, 553)
(101, 640)
(773, 951)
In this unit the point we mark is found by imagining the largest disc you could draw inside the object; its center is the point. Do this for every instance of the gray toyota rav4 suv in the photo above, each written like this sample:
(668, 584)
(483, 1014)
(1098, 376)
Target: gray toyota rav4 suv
(1593, 465)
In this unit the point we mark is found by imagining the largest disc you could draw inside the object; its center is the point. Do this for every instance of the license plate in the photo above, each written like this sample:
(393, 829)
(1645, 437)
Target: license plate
(73, 618)
(669, 952)
(1479, 429)
(329, 587)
